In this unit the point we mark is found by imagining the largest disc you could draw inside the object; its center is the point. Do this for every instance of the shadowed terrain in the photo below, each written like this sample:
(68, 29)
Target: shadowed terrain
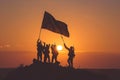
(49, 71)
(4, 72)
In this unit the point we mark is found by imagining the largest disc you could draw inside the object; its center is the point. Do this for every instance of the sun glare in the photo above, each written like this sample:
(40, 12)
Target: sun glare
(59, 47)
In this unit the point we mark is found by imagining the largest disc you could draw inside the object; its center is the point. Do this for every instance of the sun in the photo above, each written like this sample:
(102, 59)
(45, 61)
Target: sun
(59, 47)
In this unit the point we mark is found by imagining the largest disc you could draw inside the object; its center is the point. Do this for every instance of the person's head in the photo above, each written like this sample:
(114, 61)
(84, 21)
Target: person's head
(51, 45)
(47, 45)
(54, 45)
(40, 41)
(71, 47)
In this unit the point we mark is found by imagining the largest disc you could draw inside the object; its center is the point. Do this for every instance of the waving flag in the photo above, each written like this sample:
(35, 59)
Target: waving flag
(50, 23)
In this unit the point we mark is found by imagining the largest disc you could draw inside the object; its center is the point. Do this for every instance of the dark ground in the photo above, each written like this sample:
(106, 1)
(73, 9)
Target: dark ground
(45, 71)
(4, 72)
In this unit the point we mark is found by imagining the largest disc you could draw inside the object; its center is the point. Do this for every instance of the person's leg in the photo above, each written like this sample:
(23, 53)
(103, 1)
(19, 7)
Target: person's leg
(68, 61)
(38, 56)
(48, 59)
(41, 57)
(52, 58)
(45, 58)
(55, 59)
(71, 62)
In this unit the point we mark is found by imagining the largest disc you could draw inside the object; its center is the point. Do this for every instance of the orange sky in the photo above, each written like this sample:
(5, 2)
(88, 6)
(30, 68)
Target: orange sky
(93, 24)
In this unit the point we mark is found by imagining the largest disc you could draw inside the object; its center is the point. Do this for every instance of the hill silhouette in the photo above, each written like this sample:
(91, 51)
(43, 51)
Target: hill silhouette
(50, 71)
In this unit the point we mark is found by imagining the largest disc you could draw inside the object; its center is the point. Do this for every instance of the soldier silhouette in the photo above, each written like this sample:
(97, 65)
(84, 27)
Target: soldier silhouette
(39, 50)
(71, 55)
(46, 52)
(54, 53)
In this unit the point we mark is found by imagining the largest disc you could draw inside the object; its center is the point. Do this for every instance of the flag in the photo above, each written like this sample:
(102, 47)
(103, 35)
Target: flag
(50, 23)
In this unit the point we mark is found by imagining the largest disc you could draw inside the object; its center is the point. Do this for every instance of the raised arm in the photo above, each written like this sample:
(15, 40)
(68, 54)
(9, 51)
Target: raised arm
(66, 46)
(38, 40)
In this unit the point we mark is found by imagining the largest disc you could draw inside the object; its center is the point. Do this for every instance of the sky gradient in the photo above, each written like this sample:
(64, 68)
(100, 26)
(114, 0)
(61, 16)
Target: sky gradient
(94, 25)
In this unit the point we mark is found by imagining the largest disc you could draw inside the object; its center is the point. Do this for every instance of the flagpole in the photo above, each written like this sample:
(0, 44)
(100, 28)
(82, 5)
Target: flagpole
(39, 33)
(62, 39)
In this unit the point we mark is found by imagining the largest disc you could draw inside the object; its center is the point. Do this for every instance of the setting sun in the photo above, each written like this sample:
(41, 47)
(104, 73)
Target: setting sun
(59, 47)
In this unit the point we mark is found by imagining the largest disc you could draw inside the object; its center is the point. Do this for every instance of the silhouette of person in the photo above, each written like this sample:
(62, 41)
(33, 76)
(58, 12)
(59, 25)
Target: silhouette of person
(46, 52)
(54, 53)
(39, 50)
(71, 55)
